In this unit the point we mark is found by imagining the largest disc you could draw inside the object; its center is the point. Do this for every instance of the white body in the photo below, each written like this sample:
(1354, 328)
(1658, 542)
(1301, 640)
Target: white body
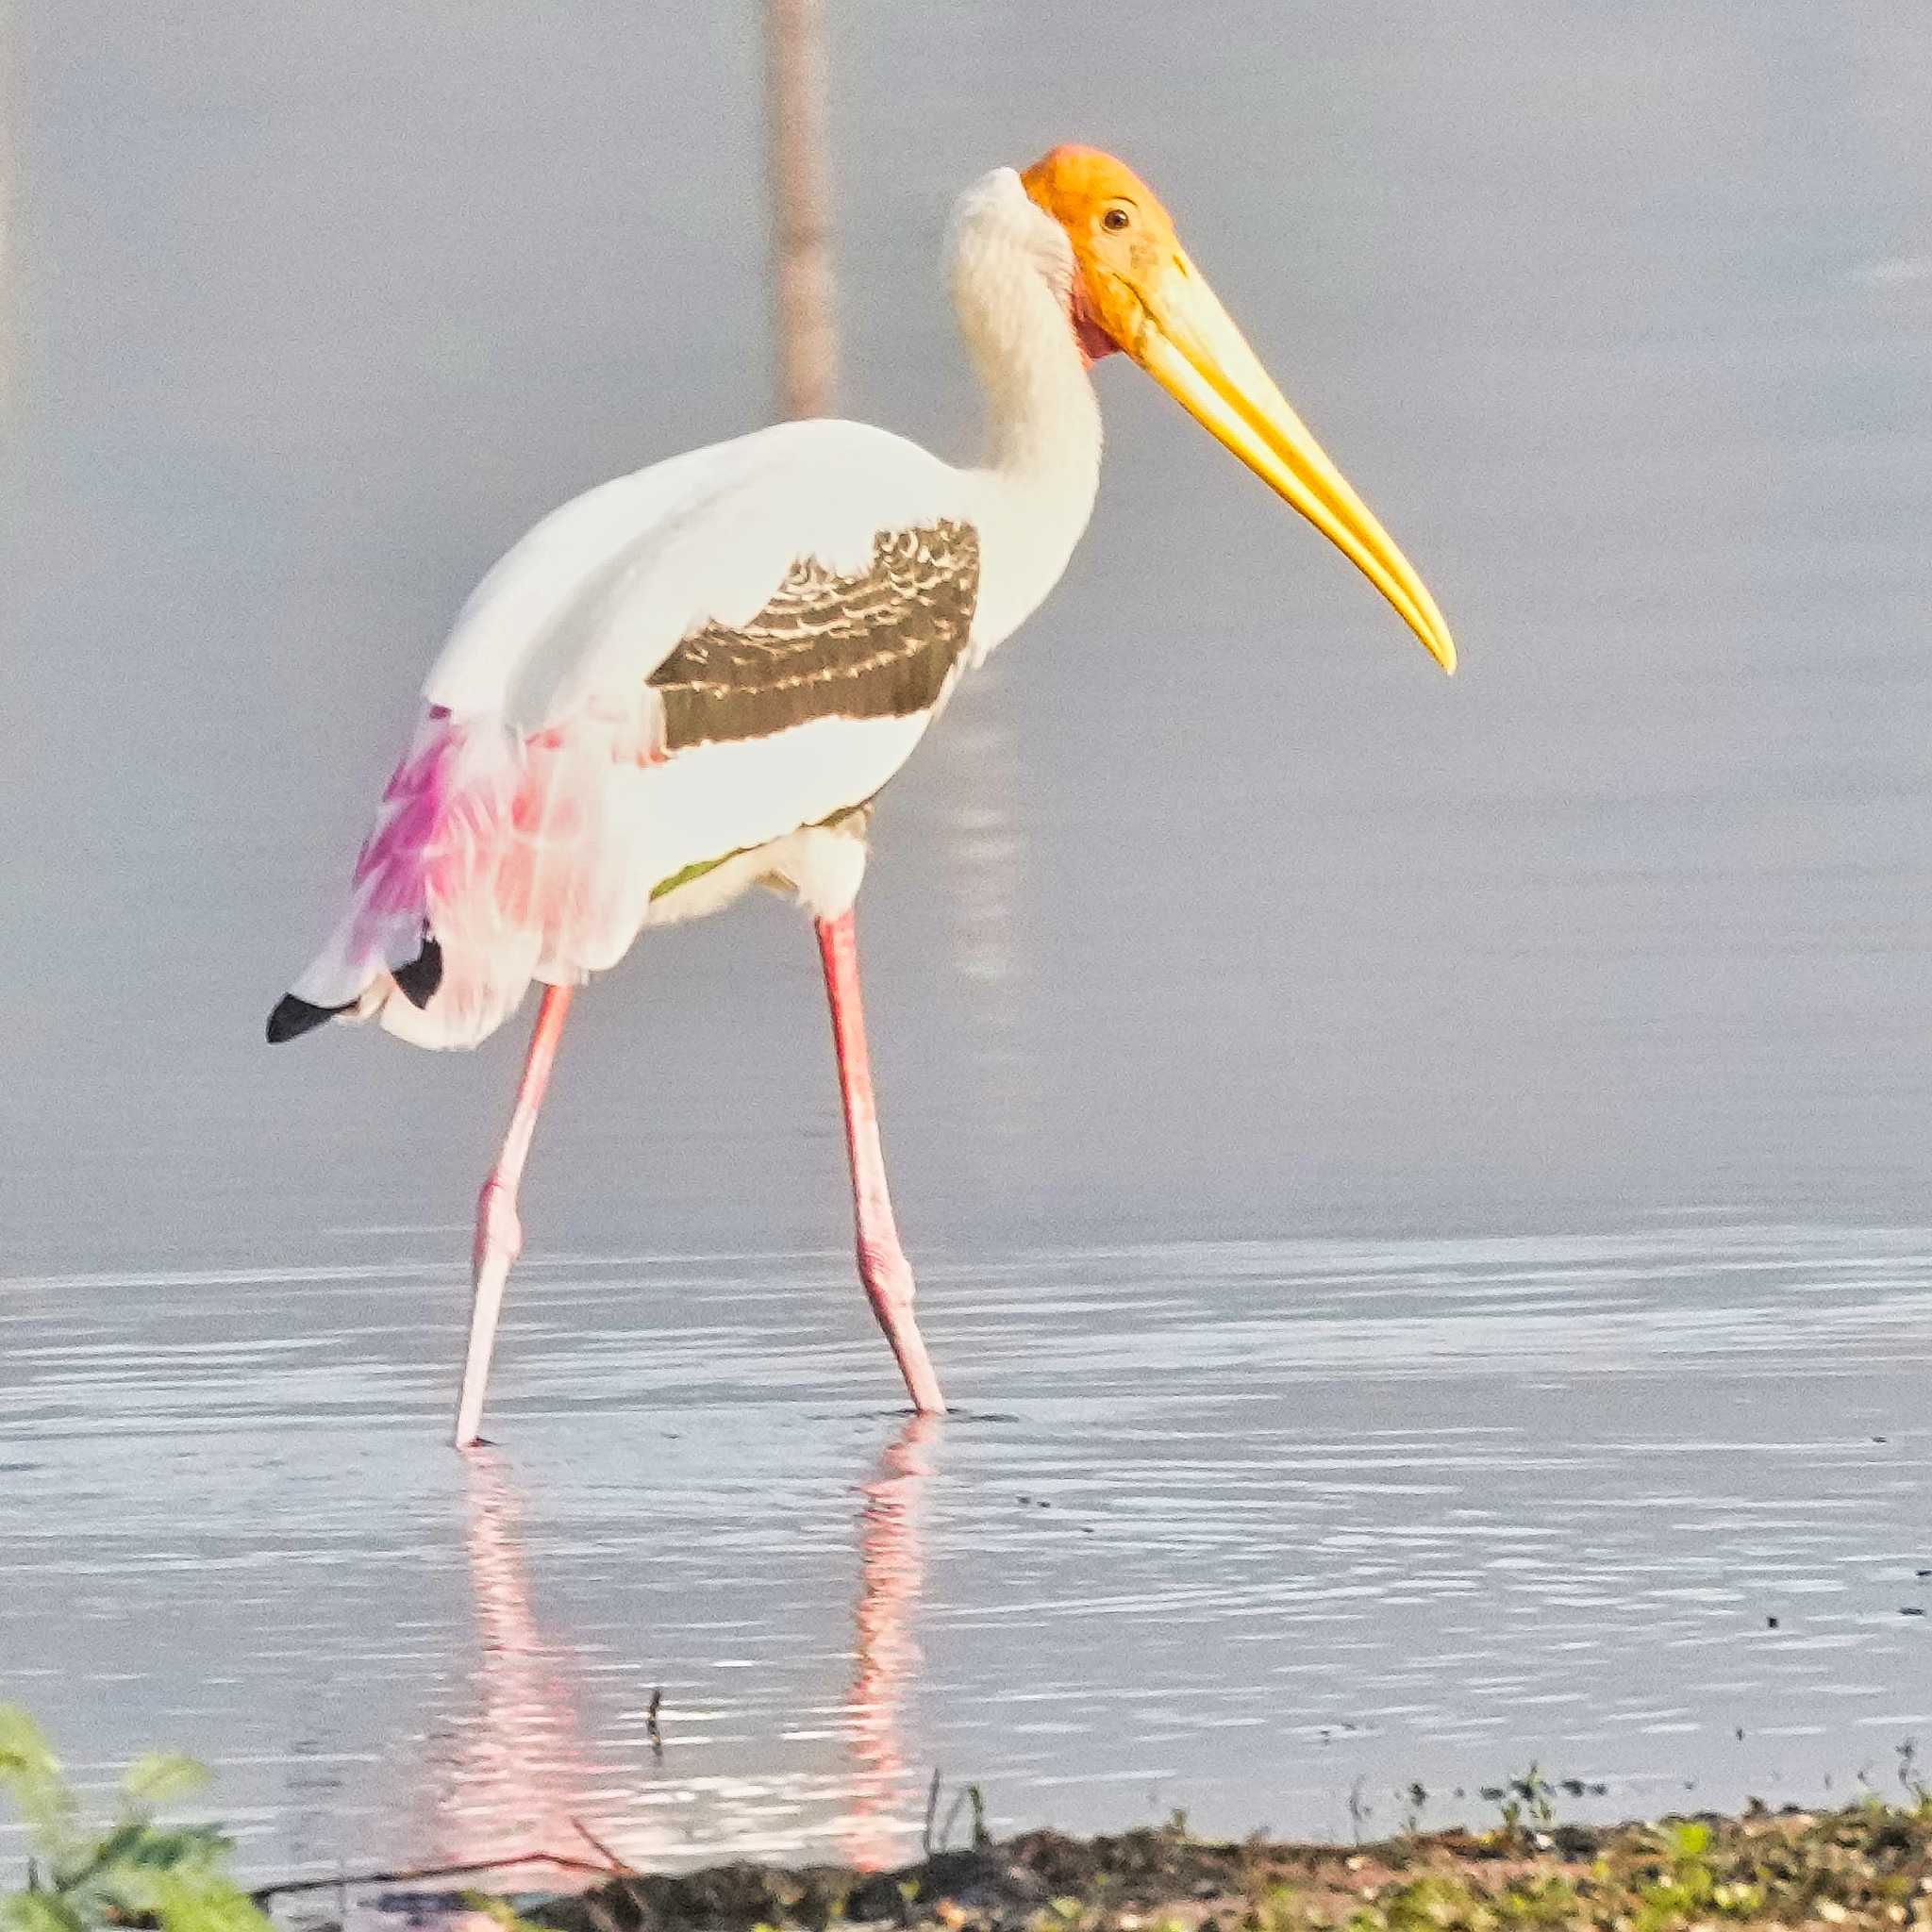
(536, 743)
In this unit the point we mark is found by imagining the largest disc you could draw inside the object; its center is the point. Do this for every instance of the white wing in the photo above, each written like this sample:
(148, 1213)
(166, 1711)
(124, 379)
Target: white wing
(536, 818)
(603, 590)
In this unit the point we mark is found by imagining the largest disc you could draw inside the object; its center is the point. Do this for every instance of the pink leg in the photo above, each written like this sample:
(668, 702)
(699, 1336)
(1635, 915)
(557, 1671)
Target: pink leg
(499, 1233)
(882, 1264)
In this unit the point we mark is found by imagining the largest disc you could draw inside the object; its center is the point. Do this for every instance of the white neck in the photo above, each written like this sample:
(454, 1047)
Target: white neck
(1035, 492)
(1043, 416)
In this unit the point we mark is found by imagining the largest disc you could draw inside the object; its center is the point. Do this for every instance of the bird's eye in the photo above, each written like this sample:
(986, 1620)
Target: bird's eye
(1115, 219)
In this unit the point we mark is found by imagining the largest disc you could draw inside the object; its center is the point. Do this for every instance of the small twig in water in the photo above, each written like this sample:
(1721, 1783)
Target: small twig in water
(1360, 1810)
(932, 1806)
(953, 1816)
(982, 1839)
(597, 1846)
(409, 1874)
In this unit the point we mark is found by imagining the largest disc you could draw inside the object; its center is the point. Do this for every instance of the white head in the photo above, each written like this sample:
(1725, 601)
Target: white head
(1008, 265)
(1081, 236)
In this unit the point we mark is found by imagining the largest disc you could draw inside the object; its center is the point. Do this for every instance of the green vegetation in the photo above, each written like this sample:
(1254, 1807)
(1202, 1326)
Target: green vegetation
(81, 1875)
(1867, 1866)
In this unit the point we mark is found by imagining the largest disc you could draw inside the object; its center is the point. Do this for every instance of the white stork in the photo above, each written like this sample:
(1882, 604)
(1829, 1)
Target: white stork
(696, 679)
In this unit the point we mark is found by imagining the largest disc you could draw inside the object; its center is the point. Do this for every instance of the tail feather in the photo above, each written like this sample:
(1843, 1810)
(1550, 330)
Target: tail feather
(491, 862)
(417, 981)
(293, 1017)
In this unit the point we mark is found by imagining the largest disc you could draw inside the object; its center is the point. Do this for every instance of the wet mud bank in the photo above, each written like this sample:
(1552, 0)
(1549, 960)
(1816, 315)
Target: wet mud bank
(1869, 1865)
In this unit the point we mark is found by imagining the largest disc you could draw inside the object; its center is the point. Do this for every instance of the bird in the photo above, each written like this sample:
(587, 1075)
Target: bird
(697, 678)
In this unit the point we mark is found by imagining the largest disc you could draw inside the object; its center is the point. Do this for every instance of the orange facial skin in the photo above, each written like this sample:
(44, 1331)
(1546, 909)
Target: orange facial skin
(1135, 289)
(1123, 238)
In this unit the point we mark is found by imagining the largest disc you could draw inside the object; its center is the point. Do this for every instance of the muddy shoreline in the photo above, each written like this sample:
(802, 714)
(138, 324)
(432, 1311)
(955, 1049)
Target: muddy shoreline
(1868, 1865)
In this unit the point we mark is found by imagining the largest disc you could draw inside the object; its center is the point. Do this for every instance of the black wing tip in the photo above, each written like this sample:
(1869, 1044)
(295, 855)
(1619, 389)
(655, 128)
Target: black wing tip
(292, 1018)
(417, 981)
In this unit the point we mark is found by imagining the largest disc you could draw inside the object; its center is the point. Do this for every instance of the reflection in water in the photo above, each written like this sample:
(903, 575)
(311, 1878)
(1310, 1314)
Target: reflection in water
(891, 1567)
(519, 1776)
(983, 840)
(519, 1772)
(1315, 1514)
(977, 757)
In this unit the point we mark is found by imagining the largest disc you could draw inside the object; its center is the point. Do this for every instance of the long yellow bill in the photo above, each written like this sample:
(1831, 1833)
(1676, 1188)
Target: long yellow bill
(1137, 288)
(1186, 342)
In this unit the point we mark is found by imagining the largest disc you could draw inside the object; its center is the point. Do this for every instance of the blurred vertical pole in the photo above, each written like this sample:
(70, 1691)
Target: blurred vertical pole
(805, 301)
(9, 215)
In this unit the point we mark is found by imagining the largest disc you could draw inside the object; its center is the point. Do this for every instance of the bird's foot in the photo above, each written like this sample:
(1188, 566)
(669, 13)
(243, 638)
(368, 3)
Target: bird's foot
(889, 1286)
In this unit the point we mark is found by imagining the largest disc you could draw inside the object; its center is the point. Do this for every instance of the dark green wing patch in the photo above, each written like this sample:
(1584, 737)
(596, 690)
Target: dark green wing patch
(880, 645)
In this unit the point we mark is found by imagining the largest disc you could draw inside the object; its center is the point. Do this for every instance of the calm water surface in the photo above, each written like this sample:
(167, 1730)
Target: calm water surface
(1309, 1517)
(1420, 1187)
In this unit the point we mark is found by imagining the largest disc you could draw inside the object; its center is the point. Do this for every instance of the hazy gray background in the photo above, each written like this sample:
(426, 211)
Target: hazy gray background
(1573, 1012)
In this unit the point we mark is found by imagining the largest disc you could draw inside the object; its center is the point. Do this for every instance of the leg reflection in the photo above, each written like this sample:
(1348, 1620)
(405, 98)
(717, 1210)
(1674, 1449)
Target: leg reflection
(518, 1776)
(877, 1827)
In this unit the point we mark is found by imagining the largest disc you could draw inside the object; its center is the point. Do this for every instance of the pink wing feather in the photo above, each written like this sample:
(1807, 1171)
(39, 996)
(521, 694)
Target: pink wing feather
(505, 850)
(524, 831)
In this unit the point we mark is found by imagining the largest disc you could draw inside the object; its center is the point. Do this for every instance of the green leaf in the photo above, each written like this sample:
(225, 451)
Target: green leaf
(175, 1877)
(203, 1901)
(38, 1911)
(1691, 1840)
(162, 1778)
(499, 1909)
(30, 1776)
(93, 1858)
(177, 1848)
(23, 1744)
